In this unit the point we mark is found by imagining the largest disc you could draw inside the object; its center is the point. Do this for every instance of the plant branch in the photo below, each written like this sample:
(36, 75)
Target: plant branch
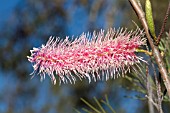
(158, 91)
(163, 25)
(151, 100)
(155, 50)
(149, 91)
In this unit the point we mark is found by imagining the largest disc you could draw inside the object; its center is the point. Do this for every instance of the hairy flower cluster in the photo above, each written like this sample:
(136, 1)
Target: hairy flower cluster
(97, 56)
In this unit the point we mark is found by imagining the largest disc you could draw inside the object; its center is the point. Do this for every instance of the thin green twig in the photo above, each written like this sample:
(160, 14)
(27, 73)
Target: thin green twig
(99, 105)
(86, 110)
(93, 108)
(108, 104)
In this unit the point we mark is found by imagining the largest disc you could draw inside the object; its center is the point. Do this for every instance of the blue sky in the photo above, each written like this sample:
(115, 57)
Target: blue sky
(6, 8)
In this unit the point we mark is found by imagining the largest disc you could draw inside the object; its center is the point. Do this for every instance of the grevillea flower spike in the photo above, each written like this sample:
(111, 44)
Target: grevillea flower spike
(97, 56)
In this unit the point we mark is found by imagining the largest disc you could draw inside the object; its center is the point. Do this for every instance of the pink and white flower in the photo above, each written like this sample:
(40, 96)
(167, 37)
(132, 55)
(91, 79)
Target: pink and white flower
(97, 56)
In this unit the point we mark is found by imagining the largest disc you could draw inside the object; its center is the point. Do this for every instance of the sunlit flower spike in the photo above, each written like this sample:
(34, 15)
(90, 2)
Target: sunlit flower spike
(97, 56)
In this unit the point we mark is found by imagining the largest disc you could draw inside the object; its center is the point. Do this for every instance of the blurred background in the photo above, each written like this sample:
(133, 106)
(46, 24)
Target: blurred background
(25, 24)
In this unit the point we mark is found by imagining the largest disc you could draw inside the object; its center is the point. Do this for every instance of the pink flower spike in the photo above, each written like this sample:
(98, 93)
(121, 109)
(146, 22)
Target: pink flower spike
(96, 56)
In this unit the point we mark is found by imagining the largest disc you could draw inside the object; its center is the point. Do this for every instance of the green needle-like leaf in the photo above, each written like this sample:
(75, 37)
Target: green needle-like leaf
(97, 111)
(103, 111)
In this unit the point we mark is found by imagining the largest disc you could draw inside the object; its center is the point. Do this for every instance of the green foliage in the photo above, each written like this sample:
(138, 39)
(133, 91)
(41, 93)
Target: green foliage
(164, 47)
(99, 108)
(138, 80)
(143, 82)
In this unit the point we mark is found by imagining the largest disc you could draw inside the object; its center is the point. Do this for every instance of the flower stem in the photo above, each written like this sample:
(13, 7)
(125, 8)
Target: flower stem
(144, 51)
